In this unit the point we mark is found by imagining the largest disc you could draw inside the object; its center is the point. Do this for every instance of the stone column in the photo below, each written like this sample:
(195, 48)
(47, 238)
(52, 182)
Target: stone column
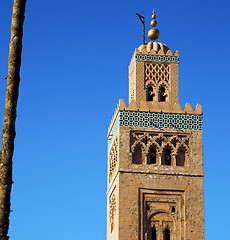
(173, 159)
(158, 158)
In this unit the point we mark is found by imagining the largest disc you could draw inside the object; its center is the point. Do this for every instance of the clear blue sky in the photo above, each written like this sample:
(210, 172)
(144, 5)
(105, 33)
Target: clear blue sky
(74, 70)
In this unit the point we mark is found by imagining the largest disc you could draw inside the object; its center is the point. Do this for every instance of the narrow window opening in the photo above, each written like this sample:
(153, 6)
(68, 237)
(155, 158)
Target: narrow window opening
(150, 94)
(173, 209)
(137, 156)
(166, 157)
(180, 158)
(154, 234)
(166, 234)
(162, 94)
(152, 156)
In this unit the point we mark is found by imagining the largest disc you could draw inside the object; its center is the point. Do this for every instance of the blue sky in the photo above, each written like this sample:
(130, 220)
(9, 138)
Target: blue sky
(74, 70)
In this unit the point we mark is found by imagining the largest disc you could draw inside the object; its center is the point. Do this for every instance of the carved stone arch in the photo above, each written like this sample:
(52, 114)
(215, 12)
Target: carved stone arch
(175, 141)
(137, 153)
(150, 145)
(136, 144)
(167, 154)
(161, 220)
(151, 92)
(183, 145)
(152, 153)
(169, 145)
(160, 140)
(161, 85)
(163, 211)
(150, 83)
(182, 155)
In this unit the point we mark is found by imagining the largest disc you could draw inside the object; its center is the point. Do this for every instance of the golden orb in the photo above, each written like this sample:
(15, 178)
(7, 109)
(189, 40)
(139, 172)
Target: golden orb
(153, 23)
(153, 16)
(153, 34)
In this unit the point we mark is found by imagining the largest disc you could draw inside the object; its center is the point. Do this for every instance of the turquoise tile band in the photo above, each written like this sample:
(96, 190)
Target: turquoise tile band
(156, 58)
(155, 120)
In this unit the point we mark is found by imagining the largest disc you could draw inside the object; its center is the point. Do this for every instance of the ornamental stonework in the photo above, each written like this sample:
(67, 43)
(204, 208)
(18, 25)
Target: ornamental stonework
(112, 210)
(178, 144)
(113, 157)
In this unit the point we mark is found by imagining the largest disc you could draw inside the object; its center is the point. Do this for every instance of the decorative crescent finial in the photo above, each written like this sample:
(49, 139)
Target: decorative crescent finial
(153, 34)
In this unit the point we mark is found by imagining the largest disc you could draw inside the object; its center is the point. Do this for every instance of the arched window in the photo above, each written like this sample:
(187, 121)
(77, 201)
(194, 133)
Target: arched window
(162, 94)
(166, 157)
(152, 156)
(154, 233)
(180, 158)
(137, 156)
(149, 93)
(166, 234)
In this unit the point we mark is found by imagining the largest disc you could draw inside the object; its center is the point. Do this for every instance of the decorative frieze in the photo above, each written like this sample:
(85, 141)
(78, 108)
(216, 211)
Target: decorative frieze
(156, 58)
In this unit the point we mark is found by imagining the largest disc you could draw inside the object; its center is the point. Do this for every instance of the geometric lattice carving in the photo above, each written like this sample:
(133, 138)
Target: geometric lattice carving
(113, 156)
(112, 210)
(156, 72)
(132, 85)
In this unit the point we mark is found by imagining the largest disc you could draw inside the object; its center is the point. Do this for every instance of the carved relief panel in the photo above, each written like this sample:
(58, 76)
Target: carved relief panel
(112, 210)
(162, 214)
(113, 157)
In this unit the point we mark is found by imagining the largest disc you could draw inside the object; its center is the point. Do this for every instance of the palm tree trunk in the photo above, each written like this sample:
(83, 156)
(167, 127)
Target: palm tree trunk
(8, 132)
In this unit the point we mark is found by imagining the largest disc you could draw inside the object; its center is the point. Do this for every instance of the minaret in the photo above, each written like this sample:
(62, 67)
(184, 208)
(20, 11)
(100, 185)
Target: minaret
(155, 155)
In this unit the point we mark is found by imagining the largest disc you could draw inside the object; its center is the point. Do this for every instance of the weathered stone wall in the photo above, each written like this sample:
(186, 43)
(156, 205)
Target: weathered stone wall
(159, 186)
(113, 215)
(189, 208)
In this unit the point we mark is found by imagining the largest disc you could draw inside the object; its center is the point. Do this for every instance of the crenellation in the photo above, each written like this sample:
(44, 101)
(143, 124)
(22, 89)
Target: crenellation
(154, 107)
(159, 107)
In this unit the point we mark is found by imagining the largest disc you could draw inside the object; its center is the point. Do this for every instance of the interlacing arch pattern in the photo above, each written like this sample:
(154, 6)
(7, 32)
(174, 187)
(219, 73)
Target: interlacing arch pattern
(150, 83)
(156, 72)
(169, 148)
(113, 157)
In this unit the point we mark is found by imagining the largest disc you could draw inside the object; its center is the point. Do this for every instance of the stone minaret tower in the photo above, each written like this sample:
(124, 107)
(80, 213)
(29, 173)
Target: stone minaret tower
(155, 162)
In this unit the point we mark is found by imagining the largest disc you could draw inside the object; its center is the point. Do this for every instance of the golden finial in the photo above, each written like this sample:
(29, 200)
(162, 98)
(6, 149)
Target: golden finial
(153, 33)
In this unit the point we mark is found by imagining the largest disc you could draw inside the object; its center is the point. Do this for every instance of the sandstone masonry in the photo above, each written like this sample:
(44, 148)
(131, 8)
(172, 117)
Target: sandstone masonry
(155, 155)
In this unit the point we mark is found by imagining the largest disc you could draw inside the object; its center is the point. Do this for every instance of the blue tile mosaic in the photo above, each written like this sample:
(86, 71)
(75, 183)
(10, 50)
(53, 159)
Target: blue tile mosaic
(114, 130)
(157, 58)
(156, 120)
(161, 120)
